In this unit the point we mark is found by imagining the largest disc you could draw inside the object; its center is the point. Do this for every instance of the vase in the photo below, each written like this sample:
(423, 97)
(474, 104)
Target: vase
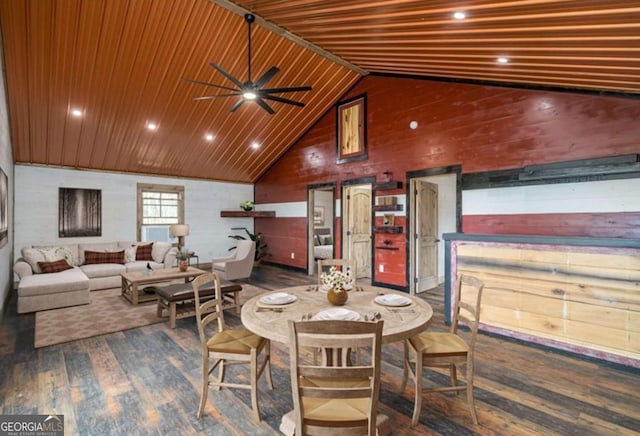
(183, 265)
(337, 296)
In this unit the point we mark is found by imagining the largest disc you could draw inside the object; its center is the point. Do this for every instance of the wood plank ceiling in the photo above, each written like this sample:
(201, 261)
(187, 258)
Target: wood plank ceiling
(120, 63)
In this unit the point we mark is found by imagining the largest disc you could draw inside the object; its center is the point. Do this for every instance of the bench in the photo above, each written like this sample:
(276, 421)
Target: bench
(179, 301)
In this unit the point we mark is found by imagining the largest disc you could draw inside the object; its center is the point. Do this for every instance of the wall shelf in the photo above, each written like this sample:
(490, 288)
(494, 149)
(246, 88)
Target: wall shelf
(388, 229)
(387, 207)
(250, 214)
(387, 186)
(387, 248)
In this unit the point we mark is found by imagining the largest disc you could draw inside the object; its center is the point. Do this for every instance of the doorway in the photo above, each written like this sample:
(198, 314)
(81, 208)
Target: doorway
(434, 209)
(321, 230)
(357, 226)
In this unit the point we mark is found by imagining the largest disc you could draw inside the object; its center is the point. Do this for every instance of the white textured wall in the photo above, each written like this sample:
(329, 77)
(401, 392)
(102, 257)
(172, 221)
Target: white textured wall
(6, 163)
(36, 207)
(582, 197)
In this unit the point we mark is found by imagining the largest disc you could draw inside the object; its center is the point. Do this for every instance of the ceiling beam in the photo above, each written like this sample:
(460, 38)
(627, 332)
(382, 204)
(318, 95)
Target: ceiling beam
(288, 35)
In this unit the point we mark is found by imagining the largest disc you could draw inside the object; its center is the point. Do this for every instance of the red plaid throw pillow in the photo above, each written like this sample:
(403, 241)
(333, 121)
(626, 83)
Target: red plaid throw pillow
(54, 267)
(93, 257)
(143, 252)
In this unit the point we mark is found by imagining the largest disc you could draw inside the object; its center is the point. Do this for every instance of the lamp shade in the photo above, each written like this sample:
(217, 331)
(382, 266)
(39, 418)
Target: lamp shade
(179, 230)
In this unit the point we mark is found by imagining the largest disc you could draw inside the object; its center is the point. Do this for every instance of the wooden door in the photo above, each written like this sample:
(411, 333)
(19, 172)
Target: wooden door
(426, 235)
(358, 228)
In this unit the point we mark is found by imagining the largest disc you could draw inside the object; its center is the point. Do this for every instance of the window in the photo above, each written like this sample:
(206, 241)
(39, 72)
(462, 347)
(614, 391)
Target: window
(159, 206)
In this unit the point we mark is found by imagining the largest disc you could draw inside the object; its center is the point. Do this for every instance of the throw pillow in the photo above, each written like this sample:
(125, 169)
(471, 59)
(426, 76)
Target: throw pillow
(50, 254)
(32, 256)
(54, 267)
(94, 257)
(65, 253)
(143, 252)
(159, 251)
(130, 254)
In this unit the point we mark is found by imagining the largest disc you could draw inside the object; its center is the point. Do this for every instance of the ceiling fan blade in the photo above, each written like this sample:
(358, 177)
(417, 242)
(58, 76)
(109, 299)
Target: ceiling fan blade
(208, 97)
(264, 105)
(283, 100)
(267, 76)
(227, 75)
(208, 84)
(290, 89)
(237, 105)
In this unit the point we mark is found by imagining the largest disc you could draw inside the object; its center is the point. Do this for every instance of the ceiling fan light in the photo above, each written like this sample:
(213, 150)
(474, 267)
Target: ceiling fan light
(249, 95)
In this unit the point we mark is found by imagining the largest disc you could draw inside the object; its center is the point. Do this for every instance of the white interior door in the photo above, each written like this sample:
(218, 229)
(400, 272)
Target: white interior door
(426, 235)
(357, 226)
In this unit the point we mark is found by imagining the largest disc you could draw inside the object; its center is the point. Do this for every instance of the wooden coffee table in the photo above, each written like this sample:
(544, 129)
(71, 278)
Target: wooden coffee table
(132, 280)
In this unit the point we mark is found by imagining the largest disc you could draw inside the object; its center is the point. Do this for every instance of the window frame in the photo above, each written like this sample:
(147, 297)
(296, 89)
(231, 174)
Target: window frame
(159, 188)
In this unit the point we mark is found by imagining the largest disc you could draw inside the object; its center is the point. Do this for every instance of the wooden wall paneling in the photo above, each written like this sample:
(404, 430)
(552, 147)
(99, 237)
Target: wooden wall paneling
(280, 236)
(603, 225)
(480, 128)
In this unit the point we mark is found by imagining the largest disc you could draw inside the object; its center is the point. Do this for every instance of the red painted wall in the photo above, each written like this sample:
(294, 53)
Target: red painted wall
(482, 128)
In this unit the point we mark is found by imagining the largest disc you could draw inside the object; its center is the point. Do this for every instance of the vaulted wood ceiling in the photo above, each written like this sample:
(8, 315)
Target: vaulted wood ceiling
(120, 62)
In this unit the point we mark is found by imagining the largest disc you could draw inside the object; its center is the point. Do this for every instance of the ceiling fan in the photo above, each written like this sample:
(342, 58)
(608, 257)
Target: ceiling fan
(249, 90)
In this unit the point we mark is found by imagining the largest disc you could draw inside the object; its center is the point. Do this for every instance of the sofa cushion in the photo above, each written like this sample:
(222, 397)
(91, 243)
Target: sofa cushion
(141, 265)
(103, 270)
(143, 252)
(160, 250)
(42, 284)
(54, 267)
(67, 252)
(93, 257)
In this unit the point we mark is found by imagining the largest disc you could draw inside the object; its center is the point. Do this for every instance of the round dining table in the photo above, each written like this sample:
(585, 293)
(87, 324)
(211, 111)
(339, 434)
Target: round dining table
(271, 321)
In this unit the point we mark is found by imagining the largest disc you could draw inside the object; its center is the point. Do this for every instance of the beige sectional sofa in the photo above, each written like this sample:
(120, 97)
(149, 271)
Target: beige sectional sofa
(42, 291)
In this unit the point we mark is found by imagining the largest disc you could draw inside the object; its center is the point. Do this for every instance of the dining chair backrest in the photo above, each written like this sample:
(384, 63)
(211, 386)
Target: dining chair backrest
(318, 388)
(341, 264)
(210, 309)
(466, 309)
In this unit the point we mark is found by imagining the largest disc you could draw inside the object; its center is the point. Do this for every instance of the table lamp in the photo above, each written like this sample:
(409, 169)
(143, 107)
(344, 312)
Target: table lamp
(179, 231)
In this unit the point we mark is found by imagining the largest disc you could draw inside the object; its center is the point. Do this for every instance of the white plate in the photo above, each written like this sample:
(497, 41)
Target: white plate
(278, 298)
(392, 300)
(338, 314)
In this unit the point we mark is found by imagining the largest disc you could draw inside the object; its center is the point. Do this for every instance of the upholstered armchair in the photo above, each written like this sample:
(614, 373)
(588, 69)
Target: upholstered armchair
(239, 264)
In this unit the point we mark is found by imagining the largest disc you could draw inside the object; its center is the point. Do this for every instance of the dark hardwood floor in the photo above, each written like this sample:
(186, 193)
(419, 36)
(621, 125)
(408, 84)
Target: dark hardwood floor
(147, 381)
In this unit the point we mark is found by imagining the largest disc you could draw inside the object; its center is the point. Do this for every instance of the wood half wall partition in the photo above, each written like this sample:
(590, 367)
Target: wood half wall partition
(580, 295)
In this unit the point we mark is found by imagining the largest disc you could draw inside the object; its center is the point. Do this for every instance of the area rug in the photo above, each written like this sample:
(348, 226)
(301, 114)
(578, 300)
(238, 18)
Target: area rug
(107, 312)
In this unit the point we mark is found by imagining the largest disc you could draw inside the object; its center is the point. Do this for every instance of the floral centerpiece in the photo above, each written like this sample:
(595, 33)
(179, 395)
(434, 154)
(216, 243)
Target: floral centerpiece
(337, 283)
(336, 278)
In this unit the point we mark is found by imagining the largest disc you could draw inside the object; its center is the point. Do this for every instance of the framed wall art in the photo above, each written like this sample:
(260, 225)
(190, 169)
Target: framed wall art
(352, 130)
(318, 215)
(4, 208)
(79, 212)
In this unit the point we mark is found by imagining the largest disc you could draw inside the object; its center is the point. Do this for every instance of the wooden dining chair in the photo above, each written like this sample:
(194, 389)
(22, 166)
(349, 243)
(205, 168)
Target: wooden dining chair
(336, 399)
(227, 347)
(323, 264)
(435, 349)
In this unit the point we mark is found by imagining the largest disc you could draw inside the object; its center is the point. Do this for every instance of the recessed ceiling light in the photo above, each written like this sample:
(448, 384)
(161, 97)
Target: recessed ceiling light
(152, 126)
(459, 15)
(503, 60)
(255, 145)
(209, 137)
(76, 112)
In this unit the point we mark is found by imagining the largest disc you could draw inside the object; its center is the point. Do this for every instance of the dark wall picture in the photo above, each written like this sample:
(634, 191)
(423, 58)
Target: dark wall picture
(4, 209)
(80, 212)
